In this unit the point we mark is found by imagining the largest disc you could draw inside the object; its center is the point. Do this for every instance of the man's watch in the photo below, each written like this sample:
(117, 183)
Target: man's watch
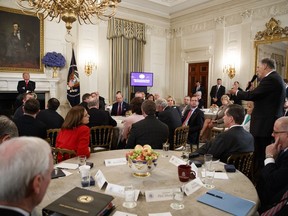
(269, 156)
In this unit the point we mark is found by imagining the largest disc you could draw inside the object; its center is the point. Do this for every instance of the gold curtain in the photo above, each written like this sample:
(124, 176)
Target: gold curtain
(127, 40)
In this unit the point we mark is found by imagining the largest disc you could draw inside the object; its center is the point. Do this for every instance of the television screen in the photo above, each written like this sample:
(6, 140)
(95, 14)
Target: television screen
(141, 79)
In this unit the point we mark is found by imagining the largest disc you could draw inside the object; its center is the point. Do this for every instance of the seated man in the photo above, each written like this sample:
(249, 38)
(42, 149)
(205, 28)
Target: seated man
(97, 116)
(8, 129)
(25, 165)
(169, 116)
(85, 99)
(27, 124)
(233, 140)
(20, 110)
(149, 130)
(120, 107)
(101, 99)
(273, 177)
(49, 116)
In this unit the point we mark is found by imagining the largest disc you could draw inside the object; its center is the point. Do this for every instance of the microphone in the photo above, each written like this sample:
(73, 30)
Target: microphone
(252, 80)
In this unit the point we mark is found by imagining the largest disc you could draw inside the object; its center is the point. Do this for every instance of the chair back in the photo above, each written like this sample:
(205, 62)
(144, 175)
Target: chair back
(215, 131)
(242, 162)
(101, 138)
(52, 135)
(62, 154)
(180, 137)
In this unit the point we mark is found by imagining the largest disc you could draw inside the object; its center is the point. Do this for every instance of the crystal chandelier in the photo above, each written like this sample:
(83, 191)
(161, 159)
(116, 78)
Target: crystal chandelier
(70, 10)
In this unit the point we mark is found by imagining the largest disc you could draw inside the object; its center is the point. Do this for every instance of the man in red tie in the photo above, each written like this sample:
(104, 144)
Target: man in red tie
(120, 107)
(24, 86)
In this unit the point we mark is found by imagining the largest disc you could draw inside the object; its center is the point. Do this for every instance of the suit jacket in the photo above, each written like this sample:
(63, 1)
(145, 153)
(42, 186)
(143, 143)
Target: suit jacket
(21, 87)
(236, 99)
(172, 119)
(125, 107)
(29, 126)
(148, 131)
(233, 140)
(273, 179)
(100, 117)
(9, 212)
(50, 118)
(194, 90)
(269, 98)
(102, 103)
(195, 124)
(220, 92)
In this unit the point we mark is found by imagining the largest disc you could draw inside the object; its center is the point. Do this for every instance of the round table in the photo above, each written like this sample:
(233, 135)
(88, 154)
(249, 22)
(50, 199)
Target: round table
(164, 176)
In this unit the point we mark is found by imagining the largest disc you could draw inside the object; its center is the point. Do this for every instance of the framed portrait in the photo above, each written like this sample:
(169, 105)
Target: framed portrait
(21, 41)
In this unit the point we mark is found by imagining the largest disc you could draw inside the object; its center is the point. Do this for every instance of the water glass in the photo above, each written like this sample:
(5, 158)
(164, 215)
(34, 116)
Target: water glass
(208, 161)
(165, 149)
(209, 177)
(85, 175)
(186, 151)
(81, 160)
(130, 194)
(178, 198)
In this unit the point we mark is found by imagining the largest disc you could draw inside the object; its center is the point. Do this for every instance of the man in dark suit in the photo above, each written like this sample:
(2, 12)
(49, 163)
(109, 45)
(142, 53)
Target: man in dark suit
(274, 176)
(85, 99)
(101, 99)
(149, 130)
(269, 98)
(169, 116)
(194, 118)
(234, 98)
(120, 107)
(24, 86)
(198, 87)
(27, 124)
(26, 165)
(49, 116)
(235, 139)
(217, 91)
(20, 110)
(98, 117)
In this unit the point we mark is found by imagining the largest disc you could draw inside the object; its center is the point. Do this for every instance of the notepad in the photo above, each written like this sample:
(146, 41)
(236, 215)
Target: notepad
(227, 202)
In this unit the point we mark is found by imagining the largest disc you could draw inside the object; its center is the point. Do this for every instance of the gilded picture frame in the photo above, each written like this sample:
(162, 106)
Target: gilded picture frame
(21, 41)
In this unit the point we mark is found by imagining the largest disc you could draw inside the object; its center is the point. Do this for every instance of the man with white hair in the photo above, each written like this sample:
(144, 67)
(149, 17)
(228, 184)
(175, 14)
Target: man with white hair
(8, 129)
(25, 165)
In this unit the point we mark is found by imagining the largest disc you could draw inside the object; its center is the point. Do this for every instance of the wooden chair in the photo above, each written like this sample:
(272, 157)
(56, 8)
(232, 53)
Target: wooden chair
(180, 137)
(52, 135)
(101, 138)
(215, 131)
(62, 153)
(242, 162)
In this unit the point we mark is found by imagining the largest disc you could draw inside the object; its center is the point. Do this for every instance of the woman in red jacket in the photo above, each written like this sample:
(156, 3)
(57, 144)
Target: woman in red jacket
(74, 134)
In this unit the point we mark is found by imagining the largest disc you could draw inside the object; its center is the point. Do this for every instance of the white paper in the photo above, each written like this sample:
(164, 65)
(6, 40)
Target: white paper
(119, 191)
(218, 175)
(161, 214)
(119, 213)
(63, 165)
(160, 195)
(192, 186)
(100, 179)
(66, 172)
(116, 161)
(176, 161)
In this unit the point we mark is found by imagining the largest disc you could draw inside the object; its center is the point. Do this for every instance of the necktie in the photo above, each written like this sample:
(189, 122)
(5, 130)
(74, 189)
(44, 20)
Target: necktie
(247, 119)
(278, 207)
(185, 123)
(119, 109)
(217, 88)
(26, 83)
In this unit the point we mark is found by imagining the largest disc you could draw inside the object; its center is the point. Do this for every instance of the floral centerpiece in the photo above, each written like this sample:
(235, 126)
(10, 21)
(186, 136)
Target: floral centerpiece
(54, 60)
(142, 160)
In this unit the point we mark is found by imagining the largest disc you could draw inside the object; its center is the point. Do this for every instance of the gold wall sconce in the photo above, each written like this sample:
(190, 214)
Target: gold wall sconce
(230, 70)
(89, 67)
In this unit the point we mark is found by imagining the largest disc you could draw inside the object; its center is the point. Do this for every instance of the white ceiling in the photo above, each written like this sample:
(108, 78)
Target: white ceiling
(168, 8)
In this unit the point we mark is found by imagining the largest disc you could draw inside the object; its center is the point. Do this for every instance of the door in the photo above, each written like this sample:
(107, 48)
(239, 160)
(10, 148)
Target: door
(198, 72)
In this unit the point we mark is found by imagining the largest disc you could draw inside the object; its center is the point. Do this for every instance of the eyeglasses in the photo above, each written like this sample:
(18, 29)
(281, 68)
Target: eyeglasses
(277, 132)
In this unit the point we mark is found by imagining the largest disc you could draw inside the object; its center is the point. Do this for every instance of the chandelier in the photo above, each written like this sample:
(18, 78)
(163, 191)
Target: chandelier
(71, 10)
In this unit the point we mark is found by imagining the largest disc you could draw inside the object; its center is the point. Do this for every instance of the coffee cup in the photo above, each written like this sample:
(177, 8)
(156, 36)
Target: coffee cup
(185, 173)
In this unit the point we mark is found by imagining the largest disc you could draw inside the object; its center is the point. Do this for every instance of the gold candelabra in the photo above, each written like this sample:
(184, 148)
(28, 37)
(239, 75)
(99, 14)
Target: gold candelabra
(230, 70)
(88, 68)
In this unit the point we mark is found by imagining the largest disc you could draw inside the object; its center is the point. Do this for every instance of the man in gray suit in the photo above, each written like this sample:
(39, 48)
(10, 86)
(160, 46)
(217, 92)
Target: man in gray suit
(149, 130)
(235, 139)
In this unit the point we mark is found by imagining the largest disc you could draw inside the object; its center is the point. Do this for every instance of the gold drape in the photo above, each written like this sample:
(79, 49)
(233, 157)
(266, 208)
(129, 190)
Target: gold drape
(127, 40)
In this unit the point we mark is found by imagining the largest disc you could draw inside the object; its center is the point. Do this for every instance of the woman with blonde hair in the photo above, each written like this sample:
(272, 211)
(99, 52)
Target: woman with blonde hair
(217, 122)
(74, 134)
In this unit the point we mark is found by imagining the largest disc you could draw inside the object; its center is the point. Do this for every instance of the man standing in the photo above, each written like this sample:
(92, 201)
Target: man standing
(269, 98)
(198, 87)
(235, 139)
(194, 118)
(217, 91)
(25, 165)
(26, 85)
(149, 130)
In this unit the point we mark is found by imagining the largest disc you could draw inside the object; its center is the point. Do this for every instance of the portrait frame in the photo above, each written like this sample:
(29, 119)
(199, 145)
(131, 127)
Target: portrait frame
(21, 41)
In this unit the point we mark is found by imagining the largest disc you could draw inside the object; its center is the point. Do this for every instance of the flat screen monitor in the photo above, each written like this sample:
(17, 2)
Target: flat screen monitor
(141, 79)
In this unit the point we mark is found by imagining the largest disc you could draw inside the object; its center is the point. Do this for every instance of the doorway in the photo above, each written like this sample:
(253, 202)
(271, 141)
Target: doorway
(198, 72)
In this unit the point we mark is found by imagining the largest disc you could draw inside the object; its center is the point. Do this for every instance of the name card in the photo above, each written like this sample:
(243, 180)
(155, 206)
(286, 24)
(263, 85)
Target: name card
(119, 213)
(119, 191)
(218, 175)
(176, 161)
(64, 165)
(115, 161)
(100, 179)
(192, 186)
(160, 195)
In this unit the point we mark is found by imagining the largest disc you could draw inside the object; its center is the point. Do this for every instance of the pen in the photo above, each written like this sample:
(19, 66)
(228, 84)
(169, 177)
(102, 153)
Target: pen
(211, 194)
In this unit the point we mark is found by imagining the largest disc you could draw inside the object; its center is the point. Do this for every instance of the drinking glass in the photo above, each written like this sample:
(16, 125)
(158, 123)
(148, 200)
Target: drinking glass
(208, 161)
(178, 198)
(85, 175)
(165, 149)
(186, 151)
(209, 177)
(129, 197)
(81, 160)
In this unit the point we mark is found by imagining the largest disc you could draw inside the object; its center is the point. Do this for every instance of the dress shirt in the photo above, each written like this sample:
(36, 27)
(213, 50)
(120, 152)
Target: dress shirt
(272, 160)
(21, 211)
